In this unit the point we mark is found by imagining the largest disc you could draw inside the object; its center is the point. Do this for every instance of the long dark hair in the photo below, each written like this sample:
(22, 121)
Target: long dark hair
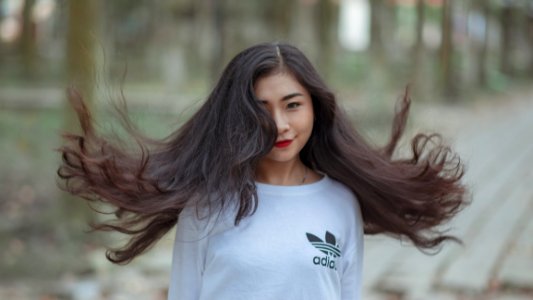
(206, 164)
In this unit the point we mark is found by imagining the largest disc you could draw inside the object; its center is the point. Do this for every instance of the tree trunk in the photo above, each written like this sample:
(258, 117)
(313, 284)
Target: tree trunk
(326, 21)
(448, 76)
(418, 48)
(81, 39)
(81, 36)
(376, 34)
(529, 30)
(419, 30)
(192, 56)
(507, 40)
(483, 8)
(219, 38)
(27, 45)
(281, 15)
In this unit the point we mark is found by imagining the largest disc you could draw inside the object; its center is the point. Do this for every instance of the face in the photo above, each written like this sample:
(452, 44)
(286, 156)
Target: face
(291, 107)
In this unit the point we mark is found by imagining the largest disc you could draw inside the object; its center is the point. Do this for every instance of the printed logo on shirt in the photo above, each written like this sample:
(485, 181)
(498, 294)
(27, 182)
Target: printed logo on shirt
(329, 247)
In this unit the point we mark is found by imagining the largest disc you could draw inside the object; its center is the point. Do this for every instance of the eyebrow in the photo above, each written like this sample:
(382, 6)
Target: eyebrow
(286, 97)
(289, 96)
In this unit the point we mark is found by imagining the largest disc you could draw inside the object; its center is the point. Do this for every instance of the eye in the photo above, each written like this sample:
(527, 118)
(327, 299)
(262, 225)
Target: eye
(293, 105)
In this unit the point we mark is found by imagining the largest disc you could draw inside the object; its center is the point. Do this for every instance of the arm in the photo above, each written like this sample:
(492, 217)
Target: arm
(352, 276)
(187, 258)
(351, 288)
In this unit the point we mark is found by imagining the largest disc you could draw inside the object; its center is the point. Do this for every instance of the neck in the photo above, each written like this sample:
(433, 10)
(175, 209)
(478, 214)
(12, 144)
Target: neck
(286, 173)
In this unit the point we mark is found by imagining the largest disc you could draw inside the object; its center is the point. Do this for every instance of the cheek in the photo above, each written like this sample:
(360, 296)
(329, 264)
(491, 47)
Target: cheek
(310, 119)
(306, 125)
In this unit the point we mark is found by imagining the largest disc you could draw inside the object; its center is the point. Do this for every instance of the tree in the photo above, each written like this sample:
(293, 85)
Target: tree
(218, 12)
(419, 49)
(326, 21)
(448, 76)
(482, 47)
(376, 47)
(81, 41)
(278, 15)
(81, 36)
(529, 31)
(507, 40)
(27, 45)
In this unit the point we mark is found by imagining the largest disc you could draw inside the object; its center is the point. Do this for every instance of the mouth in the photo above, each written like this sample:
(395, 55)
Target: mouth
(283, 144)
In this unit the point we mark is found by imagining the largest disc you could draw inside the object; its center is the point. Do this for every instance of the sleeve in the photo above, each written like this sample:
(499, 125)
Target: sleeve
(188, 258)
(351, 282)
(351, 278)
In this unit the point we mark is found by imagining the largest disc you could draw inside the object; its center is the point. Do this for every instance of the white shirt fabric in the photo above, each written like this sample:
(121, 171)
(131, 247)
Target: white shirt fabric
(303, 242)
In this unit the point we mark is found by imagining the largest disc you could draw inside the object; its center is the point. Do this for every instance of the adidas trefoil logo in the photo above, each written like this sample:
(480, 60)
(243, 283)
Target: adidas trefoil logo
(330, 248)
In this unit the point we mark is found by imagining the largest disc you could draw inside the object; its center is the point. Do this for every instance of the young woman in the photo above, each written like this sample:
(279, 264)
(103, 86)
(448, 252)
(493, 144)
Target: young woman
(269, 184)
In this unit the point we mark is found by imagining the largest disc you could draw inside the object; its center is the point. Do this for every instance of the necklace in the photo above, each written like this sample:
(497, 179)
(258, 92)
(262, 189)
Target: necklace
(305, 175)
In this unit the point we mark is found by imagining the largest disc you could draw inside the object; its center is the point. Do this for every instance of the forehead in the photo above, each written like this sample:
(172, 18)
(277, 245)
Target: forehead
(277, 85)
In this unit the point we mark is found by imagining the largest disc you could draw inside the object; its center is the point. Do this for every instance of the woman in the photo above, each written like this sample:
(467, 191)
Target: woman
(269, 184)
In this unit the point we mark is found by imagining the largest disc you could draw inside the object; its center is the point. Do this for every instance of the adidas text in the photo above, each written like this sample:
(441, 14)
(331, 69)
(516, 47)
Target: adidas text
(325, 261)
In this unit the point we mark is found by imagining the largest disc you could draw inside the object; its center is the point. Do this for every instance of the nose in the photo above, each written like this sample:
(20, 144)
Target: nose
(282, 122)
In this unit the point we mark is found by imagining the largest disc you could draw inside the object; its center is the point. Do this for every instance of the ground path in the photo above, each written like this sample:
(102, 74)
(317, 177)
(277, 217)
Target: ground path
(496, 261)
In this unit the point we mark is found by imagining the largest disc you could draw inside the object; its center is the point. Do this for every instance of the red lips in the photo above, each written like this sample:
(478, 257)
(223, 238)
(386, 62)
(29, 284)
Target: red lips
(283, 144)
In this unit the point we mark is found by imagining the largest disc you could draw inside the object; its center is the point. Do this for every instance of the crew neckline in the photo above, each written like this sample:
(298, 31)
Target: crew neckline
(265, 188)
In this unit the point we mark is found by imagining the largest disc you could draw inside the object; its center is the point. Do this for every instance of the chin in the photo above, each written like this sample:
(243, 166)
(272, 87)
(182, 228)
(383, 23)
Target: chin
(281, 158)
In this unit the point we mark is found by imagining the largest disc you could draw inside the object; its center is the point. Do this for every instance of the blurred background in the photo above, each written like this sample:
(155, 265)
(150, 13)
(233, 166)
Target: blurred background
(468, 63)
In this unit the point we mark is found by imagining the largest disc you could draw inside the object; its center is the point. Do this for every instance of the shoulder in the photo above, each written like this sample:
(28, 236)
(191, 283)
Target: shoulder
(346, 201)
(341, 190)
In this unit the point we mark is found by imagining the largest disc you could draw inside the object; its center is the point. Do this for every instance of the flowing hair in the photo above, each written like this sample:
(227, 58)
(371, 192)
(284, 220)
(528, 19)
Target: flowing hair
(205, 163)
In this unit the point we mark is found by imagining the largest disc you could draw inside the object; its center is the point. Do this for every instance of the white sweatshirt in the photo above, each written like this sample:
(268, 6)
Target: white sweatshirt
(303, 242)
